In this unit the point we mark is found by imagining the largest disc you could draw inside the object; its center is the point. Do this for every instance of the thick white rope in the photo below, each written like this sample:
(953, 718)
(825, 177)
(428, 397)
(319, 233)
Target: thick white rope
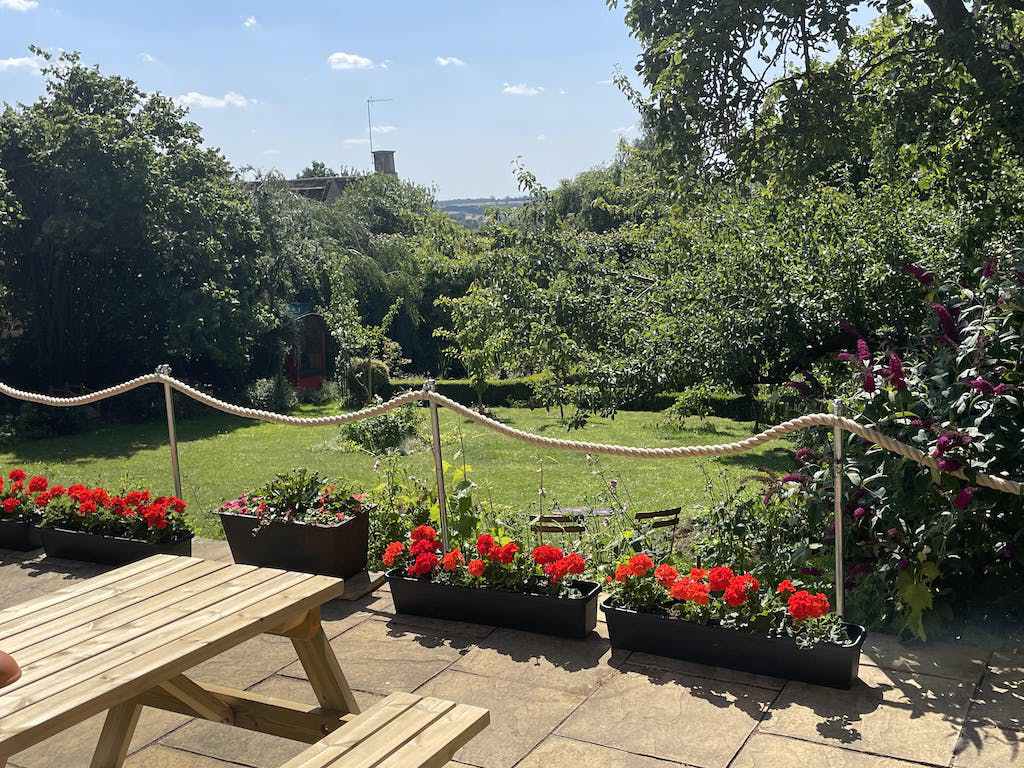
(690, 451)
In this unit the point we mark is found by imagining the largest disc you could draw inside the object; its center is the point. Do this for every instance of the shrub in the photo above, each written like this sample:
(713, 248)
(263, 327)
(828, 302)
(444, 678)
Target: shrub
(388, 432)
(367, 379)
(696, 401)
(327, 392)
(276, 394)
(39, 421)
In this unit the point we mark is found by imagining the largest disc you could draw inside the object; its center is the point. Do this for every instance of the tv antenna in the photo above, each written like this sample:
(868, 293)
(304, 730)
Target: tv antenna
(369, 119)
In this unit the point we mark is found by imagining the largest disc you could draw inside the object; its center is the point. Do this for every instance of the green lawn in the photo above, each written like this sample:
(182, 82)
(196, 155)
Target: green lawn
(222, 456)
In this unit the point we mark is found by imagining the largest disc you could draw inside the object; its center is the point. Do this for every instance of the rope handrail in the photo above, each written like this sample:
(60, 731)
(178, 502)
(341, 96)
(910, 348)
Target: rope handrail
(690, 451)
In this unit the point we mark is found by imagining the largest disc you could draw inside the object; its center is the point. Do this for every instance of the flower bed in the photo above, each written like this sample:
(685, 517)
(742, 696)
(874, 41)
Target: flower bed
(502, 586)
(92, 524)
(19, 514)
(299, 522)
(715, 616)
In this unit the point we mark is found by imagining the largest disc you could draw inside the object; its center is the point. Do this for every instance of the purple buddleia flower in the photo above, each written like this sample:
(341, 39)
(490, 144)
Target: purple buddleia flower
(894, 373)
(863, 353)
(922, 275)
(946, 322)
(845, 357)
(963, 499)
(806, 456)
(869, 382)
(859, 512)
(981, 385)
(949, 465)
(1000, 389)
(991, 265)
(794, 477)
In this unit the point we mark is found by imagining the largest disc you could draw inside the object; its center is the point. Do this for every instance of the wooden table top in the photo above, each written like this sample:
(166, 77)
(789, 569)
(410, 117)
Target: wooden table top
(104, 641)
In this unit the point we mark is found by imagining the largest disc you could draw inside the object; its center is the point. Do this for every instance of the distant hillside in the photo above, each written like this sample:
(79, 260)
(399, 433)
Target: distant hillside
(471, 211)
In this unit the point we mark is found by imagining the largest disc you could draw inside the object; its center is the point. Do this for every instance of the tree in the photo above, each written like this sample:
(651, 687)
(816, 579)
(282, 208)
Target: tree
(712, 67)
(134, 245)
(316, 169)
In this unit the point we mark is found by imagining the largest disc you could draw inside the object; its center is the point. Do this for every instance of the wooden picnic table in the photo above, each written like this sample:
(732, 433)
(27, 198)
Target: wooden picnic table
(125, 639)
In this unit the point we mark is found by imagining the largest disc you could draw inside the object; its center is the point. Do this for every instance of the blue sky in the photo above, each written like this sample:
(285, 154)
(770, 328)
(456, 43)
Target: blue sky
(475, 83)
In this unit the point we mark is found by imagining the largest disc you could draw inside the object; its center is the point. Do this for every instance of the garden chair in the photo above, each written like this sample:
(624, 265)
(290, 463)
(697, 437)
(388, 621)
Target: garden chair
(666, 518)
(558, 523)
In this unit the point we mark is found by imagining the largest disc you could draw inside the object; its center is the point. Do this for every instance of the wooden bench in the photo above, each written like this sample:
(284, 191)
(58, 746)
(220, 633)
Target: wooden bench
(403, 731)
(125, 640)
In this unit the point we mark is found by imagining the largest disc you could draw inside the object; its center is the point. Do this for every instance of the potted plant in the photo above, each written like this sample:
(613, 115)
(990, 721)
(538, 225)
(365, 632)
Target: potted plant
(502, 585)
(718, 617)
(300, 522)
(19, 515)
(91, 524)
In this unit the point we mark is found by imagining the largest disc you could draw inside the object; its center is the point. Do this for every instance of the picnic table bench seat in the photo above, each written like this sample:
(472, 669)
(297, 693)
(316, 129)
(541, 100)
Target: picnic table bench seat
(126, 639)
(402, 731)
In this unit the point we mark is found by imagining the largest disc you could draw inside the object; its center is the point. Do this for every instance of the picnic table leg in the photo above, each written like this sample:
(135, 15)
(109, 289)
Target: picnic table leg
(325, 675)
(116, 737)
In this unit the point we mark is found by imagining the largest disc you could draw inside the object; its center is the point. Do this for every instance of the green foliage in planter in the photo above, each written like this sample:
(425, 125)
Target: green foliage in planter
(400, 502)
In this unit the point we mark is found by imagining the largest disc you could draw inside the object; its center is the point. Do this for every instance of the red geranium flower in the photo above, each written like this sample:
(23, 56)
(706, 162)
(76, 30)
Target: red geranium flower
(476, 568)
(423, 532)
(154, 515)
(803, 605)
(719, 577)
(739, 589)
(640, 565)
(10, 505)
(546, 554)
(484, 544)
(785, 586)
(452, 560)
(698, 573)
(666, 575)
(506, 554)
(689, 589)
(423, 565)
(622, 572)
(37, 483)
(422, 546)
(17, 475)
(87, 507)
(571, 563)
(391, 553)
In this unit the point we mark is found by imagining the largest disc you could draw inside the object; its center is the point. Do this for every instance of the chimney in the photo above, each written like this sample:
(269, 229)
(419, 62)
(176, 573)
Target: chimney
(384, 161)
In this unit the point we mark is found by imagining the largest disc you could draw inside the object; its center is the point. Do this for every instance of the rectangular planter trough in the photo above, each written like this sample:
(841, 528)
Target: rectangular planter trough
(20, 535)
(546, 614)
(338, 550)
(110, 550)
(824, 664)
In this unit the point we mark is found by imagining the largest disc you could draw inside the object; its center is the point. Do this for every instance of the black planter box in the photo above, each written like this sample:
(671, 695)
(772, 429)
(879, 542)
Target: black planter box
(824, 664)
(338, 550)
(94, 548)
(546, 614)
(21, 535)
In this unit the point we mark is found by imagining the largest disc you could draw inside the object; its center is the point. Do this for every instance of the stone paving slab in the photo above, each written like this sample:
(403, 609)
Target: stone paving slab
(689, 668)
(383, 658)
(982, 746)
(767, 751)
(559, 751)
(960, 662)
(690, 720)
(522, 715)
(163, 757)
(578, 666)
(911, 717)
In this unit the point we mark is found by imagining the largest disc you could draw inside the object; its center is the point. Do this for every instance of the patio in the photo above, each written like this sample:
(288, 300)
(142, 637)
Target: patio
(563, 702)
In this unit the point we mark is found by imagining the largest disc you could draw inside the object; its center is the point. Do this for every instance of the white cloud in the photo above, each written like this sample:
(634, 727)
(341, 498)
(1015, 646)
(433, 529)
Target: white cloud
(19, 5)
(542, 137)
(625, 131)
(522, 89)
(343, 60)
(453, 61)
(148, 58)
(385, 128)
(202, 101)
(250, 22)
(356, 141)
(28, 63)
(604, 82)
(271, 151)
(562, 92)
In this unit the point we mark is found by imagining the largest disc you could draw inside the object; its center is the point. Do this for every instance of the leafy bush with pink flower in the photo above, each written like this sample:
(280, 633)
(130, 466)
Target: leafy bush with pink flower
(726, 597)
(920, 538)
(496, 564)
(135, 514)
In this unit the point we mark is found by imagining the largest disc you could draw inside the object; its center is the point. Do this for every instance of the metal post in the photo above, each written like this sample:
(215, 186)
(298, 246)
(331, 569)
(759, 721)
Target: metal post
(837, 473)
(165, 370)
(435, 430)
